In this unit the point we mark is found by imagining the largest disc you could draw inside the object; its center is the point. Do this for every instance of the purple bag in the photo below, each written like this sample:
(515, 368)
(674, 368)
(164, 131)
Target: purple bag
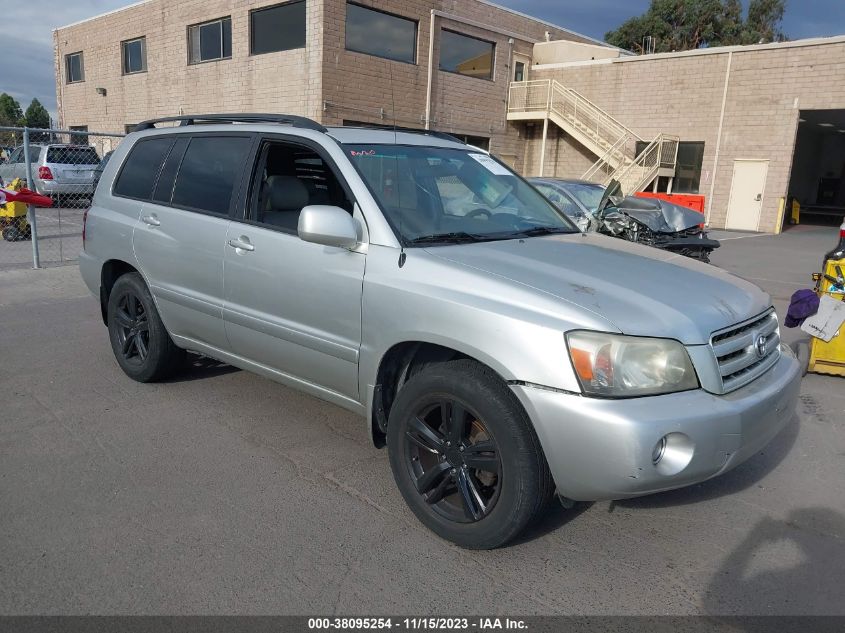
(803, 305)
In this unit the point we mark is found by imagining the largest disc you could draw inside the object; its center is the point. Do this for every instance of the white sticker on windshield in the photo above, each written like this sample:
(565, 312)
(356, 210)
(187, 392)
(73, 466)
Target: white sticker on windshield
(491, 165)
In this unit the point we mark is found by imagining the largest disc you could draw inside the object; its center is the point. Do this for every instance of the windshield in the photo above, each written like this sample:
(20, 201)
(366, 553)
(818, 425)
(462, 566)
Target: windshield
(588, 195)
(432, 195)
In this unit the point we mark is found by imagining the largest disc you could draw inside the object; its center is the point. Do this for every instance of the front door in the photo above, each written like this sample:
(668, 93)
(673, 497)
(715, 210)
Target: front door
(290, 305)
(746, 201)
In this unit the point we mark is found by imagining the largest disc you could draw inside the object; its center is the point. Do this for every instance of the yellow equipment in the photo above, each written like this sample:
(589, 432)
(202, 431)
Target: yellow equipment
(13, 217)
(795, 217)
(829, 358)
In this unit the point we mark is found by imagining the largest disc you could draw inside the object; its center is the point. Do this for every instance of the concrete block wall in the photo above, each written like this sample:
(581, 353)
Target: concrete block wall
(360, 87)
(287, 81)
(323, 80)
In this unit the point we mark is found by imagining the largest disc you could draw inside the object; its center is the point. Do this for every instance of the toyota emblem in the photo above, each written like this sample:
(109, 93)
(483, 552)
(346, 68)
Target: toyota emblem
(761, 345)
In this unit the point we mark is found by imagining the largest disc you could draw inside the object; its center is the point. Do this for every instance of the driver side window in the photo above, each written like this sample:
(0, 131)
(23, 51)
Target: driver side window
(291, 177)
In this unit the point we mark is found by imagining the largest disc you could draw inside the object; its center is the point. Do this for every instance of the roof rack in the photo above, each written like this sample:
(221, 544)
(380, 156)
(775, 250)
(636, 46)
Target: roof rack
(284, 119)
(410, 130)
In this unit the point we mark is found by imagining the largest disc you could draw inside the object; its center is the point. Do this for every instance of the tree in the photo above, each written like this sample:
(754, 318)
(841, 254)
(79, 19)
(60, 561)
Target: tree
(679, 25)
(37, 116)
(10, 111)
(764, 22)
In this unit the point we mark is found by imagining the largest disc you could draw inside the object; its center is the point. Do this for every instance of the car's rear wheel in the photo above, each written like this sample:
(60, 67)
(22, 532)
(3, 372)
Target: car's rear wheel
(465, 456)
(141, 344)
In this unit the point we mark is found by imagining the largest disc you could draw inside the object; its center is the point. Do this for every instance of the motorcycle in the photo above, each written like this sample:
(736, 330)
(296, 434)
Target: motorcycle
(653, 222)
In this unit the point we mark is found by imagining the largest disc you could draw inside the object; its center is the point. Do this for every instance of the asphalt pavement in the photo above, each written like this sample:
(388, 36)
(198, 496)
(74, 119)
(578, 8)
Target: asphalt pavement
(224, 493)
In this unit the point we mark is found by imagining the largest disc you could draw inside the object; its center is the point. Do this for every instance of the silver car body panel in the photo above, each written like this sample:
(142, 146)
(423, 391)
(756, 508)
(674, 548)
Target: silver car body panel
(321, 319)
(189, 295)
(295, 306)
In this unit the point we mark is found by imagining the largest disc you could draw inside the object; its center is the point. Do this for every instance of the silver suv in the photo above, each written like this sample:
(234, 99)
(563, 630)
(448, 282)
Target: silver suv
(65, 172)
(500, 354)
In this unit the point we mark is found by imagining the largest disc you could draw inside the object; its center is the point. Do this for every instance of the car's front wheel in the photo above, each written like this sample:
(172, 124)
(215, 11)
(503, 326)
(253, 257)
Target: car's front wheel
(141, 344)
(465, 456)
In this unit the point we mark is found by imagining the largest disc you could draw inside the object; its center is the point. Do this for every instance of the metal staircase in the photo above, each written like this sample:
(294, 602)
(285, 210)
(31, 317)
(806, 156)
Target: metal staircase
(616, 146)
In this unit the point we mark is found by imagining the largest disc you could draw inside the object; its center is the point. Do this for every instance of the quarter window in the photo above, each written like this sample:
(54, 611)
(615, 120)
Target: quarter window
(209, 171)
(141, 169)
(466, 55)
(279, 28)
(134, 56)
(380, 34)
(210, 41)
(74, 68)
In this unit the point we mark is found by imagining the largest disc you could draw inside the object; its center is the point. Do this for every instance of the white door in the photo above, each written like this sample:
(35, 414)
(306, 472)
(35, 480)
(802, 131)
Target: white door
(747, 187)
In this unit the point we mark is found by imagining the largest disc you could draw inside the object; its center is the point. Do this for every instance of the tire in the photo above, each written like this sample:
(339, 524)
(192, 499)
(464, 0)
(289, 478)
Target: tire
(499, 464)
(12, 233)
(139, 340)
(802, 351)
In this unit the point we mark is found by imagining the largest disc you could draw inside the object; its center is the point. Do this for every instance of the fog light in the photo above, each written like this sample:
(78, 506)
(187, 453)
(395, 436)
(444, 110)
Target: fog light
(672, 454)
(659, 450)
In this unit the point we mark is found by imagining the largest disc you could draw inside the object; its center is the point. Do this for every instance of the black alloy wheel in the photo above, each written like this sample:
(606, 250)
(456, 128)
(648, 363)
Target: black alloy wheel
(133, 328)
(465, 455)
(453, 460)
(141, 344)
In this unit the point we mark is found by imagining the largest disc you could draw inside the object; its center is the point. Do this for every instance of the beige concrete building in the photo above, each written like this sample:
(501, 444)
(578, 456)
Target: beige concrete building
(368, 61)
(746, 127)
(765, 121)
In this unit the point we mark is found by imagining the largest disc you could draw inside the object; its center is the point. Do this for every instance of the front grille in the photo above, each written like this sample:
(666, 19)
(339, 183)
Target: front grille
(737, 350)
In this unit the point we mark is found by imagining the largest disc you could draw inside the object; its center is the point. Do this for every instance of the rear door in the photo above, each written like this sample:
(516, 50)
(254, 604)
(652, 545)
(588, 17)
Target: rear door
(180, 237)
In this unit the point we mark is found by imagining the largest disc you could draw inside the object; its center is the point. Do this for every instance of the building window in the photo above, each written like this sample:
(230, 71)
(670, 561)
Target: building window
(380, 34)
(78, 139)
(481, 142)
(74, 68)
(519, 71)
(279, 28)
(210, 41)
(688, 169)
(466, 55)
(134, 56)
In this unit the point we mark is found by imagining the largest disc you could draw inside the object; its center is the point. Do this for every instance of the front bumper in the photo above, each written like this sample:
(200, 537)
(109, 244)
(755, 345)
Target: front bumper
(603, 449)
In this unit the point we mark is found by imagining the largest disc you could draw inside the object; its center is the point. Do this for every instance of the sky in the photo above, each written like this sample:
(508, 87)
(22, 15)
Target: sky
(26, 56)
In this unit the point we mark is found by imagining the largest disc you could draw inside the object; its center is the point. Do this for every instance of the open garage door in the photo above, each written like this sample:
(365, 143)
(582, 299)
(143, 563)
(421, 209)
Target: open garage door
(817, 182)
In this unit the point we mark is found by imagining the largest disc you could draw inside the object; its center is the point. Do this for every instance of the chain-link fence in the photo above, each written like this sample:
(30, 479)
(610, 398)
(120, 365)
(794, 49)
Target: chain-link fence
(66, 166)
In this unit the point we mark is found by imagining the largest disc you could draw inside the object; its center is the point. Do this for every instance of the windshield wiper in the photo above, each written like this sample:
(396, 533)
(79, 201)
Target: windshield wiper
(542, 230)
(457, 237)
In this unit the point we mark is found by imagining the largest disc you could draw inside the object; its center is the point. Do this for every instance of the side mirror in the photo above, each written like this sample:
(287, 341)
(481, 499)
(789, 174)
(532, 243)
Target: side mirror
(326, 225)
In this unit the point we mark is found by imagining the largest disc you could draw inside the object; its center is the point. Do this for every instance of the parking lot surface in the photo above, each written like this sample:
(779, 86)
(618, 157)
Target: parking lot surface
(59, 240)
(222, 492)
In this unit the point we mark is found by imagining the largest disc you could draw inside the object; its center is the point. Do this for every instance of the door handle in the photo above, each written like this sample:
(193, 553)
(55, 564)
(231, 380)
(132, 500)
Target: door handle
(759, 197)
(242, 244)
(151, 220)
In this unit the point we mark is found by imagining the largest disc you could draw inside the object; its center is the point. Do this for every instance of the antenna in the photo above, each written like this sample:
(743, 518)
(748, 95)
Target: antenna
(402, 255)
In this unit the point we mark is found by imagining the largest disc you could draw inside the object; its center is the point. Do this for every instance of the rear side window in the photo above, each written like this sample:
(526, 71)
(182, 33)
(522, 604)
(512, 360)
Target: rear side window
(209, 171)
(164, 188)
(141, 168)
(72, 155)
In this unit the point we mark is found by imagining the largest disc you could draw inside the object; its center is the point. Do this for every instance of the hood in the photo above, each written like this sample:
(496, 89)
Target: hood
(660, 216)
(642, 291)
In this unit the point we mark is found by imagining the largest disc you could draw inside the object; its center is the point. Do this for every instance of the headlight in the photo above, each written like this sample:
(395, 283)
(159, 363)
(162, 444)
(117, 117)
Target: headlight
(615, 366)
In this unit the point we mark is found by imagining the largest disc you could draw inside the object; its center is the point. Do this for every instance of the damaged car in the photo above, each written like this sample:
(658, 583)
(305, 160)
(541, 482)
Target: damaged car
(648, 221)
